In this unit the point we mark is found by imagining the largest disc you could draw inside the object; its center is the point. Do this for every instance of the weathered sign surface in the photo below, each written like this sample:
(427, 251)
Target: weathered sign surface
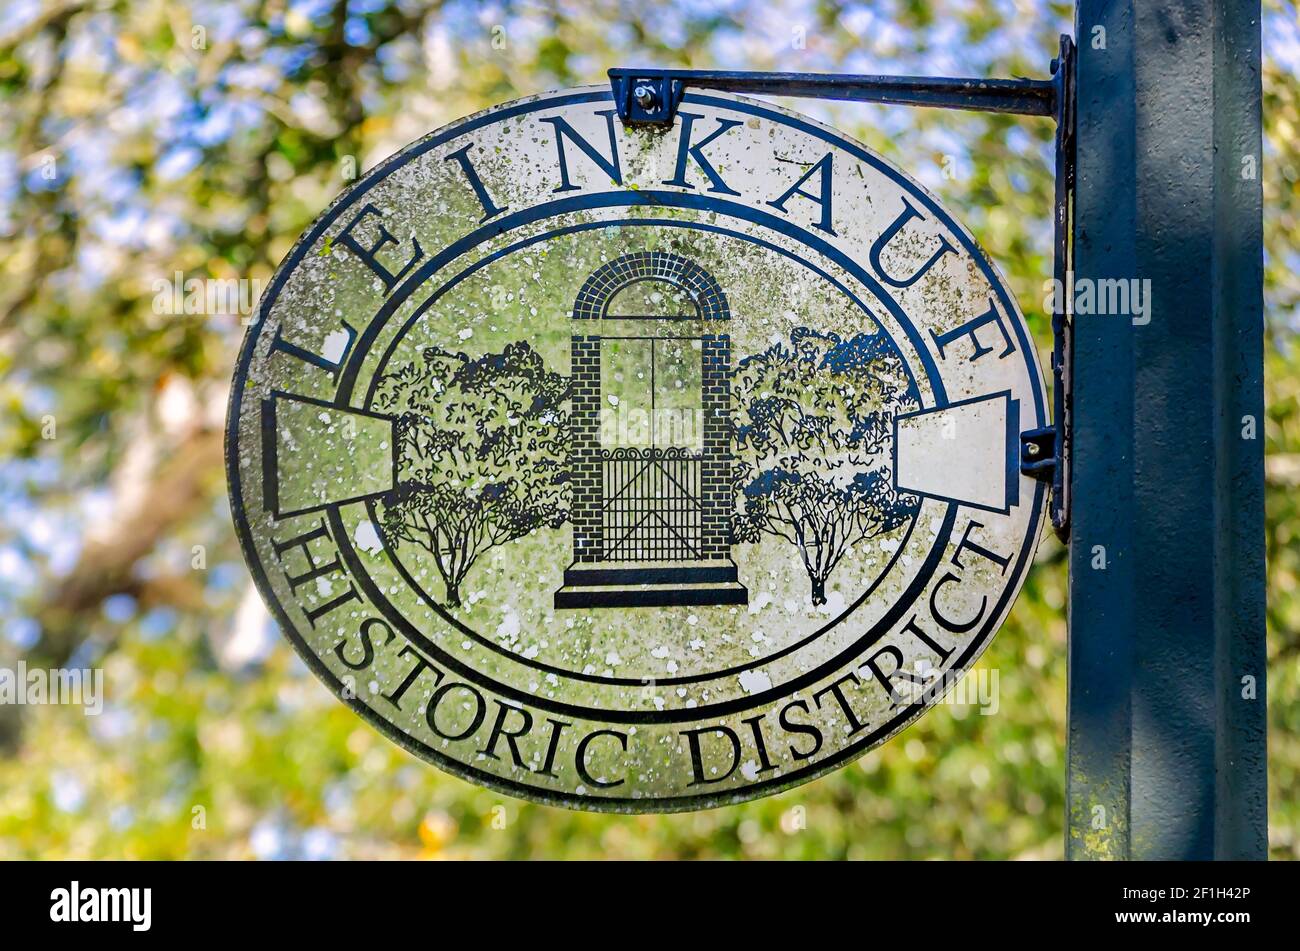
(637, 469)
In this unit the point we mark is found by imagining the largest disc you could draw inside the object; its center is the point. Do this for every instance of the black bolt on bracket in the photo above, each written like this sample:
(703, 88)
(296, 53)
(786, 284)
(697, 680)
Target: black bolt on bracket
(651, 97)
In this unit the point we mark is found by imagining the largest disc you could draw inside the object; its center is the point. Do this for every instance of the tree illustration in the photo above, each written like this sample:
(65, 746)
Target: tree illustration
(480, 449)
(813, 432)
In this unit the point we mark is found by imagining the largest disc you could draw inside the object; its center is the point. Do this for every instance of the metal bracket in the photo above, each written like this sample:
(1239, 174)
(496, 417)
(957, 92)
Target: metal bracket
(651, 97)
(646, 98)
(1063, 74)
(1038, 453)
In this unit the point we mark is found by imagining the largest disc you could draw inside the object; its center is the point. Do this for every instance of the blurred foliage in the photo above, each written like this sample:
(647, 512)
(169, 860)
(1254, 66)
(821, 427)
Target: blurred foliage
(142, 139)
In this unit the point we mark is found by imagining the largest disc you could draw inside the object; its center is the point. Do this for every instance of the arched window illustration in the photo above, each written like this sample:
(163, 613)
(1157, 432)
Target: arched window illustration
(650, 445)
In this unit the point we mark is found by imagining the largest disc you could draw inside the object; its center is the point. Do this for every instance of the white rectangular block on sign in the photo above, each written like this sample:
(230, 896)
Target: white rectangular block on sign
(965, 452)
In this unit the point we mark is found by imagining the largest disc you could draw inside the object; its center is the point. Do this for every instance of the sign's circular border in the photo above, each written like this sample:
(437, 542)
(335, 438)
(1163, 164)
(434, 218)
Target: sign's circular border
(622, 804)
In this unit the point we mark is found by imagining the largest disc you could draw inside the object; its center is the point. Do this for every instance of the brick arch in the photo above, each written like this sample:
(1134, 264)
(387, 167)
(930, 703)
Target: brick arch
(594, 297)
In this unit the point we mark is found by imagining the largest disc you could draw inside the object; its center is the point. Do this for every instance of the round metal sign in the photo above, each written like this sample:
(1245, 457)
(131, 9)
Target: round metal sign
(633, 468)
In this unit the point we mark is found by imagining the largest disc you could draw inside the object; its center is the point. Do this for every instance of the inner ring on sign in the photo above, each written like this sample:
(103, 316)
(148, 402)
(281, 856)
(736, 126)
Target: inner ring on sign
(928, 563)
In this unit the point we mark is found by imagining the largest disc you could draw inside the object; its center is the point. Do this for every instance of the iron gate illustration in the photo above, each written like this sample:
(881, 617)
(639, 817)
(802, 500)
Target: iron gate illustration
(651, 506)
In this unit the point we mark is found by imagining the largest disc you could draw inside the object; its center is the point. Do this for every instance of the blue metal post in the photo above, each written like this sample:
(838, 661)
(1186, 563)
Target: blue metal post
(1166, 699)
